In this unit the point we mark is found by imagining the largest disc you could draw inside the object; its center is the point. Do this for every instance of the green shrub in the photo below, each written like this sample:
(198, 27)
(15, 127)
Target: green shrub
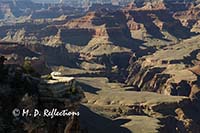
(28, 67)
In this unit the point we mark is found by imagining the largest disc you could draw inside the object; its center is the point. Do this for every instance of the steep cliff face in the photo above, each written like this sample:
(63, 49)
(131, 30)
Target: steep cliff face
(18, 54)
(172, 71)
(120, 26)
(158, 21)
(31, 93)
(123, 27)
(134, 28)
(14, 9)
(105, 38)
(103, 24)
(129, 111)
(154, 40)
(190, 17)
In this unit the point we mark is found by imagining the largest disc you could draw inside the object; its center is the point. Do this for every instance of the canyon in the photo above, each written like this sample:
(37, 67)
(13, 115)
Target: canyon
(135, 68)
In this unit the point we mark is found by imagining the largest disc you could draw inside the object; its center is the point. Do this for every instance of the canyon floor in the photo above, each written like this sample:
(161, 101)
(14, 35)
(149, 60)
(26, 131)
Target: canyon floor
(137, 67)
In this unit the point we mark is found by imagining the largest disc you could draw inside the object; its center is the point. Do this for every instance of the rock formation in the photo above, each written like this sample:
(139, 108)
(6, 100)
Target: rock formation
(129, 111)
(166, 73)
(31, 93)
(138, 66)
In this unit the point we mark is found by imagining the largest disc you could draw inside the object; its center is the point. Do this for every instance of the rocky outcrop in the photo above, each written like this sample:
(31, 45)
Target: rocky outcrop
(157, 21)
(31, 93)
(131, 110)
(119, 26)
(165, 73)
(117, 29)
(17, 54)
(14, 9)
(189, 18)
